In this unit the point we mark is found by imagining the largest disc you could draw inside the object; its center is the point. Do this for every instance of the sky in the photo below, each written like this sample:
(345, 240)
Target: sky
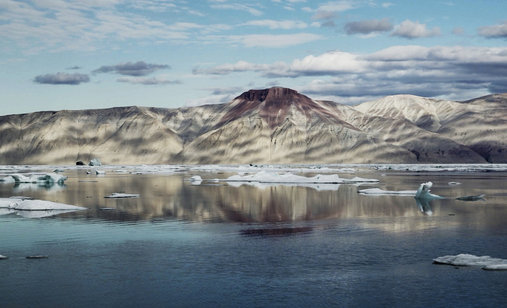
(87, 54)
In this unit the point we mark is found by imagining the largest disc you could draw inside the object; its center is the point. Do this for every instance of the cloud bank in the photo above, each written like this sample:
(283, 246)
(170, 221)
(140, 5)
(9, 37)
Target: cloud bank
(62, 79)
(457, 72)
(139, 68)
(368, 26)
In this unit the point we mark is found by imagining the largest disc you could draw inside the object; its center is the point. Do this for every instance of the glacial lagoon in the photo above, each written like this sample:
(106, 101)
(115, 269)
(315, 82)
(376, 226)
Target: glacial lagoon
(182, 243)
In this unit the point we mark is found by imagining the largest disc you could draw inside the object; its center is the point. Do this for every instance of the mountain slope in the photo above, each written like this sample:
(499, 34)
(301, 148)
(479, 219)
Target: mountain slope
(275, 125)
(279, 125)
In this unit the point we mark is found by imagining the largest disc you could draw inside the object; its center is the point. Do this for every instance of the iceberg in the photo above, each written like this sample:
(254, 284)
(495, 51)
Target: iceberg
(485, 262)
(196, 180)
(41, 179)
(381, 192)
(289, 178)
(122, 195)
(95, 162)
(423, 192)
(43, 205)
(7, 179)
(29, 208)
(472, 198)
(42, 214)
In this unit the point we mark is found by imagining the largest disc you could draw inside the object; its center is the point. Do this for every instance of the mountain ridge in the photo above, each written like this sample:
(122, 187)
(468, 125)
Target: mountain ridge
(275, 125)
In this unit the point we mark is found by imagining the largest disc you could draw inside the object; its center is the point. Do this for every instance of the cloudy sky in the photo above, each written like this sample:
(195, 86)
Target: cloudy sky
(79, 54)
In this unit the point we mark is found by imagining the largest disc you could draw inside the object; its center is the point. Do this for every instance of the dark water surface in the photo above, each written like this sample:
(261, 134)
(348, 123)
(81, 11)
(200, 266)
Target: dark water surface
(182, 245)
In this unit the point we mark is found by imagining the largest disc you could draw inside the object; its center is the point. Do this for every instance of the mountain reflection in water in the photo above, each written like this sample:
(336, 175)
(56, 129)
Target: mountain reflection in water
(174, 197)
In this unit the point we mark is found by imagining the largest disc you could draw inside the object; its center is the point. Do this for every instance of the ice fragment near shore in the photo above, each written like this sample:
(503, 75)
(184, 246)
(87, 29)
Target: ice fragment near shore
(95, 162)
(41, 179)
(485, 262)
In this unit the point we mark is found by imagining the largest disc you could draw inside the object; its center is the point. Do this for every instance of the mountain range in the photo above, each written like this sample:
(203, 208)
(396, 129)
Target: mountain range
(275, 125)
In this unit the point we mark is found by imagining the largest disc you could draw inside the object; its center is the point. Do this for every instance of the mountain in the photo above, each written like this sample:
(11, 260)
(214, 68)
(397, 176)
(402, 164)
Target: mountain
(276, 125)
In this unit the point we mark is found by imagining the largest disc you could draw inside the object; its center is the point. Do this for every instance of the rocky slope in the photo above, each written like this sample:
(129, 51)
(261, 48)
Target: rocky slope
(275, 125)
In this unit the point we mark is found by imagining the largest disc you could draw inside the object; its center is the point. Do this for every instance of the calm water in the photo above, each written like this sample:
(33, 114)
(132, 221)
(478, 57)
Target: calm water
(180, 245)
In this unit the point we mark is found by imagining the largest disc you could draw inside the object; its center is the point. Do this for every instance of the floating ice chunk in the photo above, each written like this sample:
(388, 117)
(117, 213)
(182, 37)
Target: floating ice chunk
(495, 267)
(6, 211)
(37, 257)
(41, 179)
(196, 180)
(43, 205)
(42, 214)
(8, 202)
(7, 179)
(423, 192)
(95, 162)
(380, 192)
(453, 183)
(52, 178)
(122, 195)
(2, 257)
(289, 178)
(472, 198)
(486, 262)
(22, 178)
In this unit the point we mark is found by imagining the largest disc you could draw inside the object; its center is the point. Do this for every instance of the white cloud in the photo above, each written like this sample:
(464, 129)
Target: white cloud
(238, 7)
(419, 70)
(156, 80)
(368, 26)
(495, 31)
(267, 40)
(277, 24)
(54, 25)
(413, 29)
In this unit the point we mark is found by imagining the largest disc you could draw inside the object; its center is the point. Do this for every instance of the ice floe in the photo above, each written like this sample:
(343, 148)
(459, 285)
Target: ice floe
(289, 178)
(195, 180)
(29, 208)
(472, 198)
(122, 195)
(485, 262)
(380, 192)
(43, 205)
(2, 257)
(423, 192)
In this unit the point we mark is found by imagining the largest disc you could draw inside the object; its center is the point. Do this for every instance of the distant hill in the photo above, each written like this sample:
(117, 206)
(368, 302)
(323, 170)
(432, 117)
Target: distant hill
(276, 125)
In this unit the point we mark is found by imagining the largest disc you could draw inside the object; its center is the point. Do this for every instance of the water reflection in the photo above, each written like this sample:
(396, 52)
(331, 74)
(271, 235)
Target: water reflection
(424, 206)
(174, 197)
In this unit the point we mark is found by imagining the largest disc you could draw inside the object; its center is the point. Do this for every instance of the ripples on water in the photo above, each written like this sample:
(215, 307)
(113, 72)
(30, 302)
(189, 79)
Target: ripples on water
(218, 245)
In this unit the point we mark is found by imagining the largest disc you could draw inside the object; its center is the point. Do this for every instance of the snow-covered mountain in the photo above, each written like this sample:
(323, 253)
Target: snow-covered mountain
(276, 125)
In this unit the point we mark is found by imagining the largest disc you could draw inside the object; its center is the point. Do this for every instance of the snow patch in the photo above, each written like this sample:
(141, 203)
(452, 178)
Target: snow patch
(485, 262)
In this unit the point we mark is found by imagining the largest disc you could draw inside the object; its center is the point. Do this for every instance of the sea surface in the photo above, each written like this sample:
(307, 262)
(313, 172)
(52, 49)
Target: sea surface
(184, 245)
